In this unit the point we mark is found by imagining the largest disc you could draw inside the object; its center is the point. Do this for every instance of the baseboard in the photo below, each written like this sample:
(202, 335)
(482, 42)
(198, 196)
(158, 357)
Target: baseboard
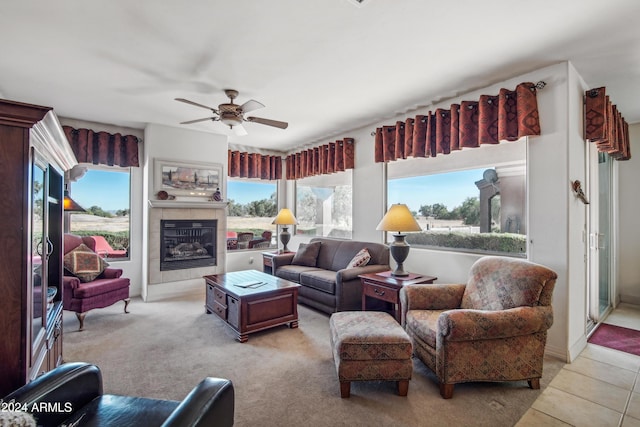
(555, 352)
(630, 299)
(576, 348)
(171, 290)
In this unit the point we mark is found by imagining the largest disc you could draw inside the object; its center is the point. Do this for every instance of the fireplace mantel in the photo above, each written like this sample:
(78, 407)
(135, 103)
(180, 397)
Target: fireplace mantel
(182, 204)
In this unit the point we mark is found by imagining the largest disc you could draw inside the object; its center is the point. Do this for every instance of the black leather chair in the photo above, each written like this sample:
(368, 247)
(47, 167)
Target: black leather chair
(72, 394)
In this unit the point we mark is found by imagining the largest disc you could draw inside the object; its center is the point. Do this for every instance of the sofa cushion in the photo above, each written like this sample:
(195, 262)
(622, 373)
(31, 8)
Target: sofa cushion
(83, 263)
(307, 254)
(360, 259)
(423, 323)
(99, 287)
(292, 272)
(322, 280)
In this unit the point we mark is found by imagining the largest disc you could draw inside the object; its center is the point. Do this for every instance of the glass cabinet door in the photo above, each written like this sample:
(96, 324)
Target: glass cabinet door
(39, 248)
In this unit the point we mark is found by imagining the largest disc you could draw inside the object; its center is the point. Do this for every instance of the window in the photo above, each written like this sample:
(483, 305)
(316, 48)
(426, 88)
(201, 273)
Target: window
(252, 207)
(479, 207)
(324, 205)
(104, 193)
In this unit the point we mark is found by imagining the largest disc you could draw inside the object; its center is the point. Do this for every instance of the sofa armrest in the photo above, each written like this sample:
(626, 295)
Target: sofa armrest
(352, 273)
(282, 259)
(434, 296)
(111, 273)
(68, 387)
(473, 325)
(70, 283)
(210, 403)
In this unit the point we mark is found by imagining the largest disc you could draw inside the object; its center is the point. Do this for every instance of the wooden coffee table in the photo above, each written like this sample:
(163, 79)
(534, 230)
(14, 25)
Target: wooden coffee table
(251, 301)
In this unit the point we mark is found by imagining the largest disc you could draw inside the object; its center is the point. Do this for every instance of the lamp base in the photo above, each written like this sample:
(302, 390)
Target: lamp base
(399, 250)
(285, 236)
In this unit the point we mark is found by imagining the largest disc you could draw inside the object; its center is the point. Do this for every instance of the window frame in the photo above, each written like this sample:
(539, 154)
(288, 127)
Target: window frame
(106, 168)
(325, 180)
(493, 156)
(274, 236)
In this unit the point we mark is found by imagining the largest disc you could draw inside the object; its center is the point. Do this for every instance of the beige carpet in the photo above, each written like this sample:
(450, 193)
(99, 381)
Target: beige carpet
(282, 377)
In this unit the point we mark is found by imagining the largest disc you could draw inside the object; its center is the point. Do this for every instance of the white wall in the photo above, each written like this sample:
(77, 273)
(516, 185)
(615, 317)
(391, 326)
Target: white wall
(629, 231)
(181, 145)
(555, 220)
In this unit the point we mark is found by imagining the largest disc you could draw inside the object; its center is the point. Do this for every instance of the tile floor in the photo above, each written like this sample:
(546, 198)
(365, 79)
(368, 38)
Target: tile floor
(600, 388)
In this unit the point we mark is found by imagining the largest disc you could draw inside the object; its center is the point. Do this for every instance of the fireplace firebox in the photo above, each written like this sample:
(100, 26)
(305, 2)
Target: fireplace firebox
(187, 244)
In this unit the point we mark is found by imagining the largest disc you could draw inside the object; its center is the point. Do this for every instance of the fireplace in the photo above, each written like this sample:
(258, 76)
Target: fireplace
(187, 244)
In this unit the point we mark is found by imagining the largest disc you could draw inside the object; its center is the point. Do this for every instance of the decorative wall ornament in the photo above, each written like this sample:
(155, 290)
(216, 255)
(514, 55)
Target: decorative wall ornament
(329, 158)
(191, 179)
(576, 186)
(506, 117)
(605, 126)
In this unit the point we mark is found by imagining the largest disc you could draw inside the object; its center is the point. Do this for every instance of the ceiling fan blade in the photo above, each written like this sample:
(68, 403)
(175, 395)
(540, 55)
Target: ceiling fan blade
(239, 130)
(199, 120)
(251, 105)
(268, 122)
(186, 101)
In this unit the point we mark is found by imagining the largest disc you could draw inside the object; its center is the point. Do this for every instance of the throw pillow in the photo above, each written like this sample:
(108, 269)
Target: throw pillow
(360, 259)
(307, 254)
(83, 263)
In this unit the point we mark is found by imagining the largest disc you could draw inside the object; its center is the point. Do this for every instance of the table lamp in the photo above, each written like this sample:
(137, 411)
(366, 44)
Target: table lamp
(399, 218)
(285, 218)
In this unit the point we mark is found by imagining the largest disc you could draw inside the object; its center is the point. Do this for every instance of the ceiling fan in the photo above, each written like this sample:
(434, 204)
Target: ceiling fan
(232, 114)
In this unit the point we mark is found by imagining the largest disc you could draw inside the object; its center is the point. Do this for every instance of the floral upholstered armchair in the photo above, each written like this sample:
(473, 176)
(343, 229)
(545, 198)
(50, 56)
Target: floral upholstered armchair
(494, 328)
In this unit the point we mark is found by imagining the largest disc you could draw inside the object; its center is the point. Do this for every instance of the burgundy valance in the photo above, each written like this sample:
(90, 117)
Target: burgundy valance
(254, 165)
(324, 159)
(605, 125)
(508, 116)
(103, 148)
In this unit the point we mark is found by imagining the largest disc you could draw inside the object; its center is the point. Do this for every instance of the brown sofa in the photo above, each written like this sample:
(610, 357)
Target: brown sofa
(326, 284)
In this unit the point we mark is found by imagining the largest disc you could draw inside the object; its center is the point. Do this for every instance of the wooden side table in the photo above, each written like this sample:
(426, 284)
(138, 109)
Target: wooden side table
(386, 287)
(267, 261)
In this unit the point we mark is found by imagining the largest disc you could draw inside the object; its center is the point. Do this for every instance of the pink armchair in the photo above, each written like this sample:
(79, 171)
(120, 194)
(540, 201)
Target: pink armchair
(105, 290)
(494, 328)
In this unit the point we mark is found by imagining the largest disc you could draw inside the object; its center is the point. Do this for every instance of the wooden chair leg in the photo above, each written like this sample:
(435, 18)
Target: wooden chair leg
(446, 390)
(403, 387)
(345, 389)
(80, 317)
(126, 304)
(534, 383)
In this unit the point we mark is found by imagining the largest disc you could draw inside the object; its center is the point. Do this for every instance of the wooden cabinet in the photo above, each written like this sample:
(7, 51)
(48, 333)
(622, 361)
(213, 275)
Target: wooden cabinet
(34, 153)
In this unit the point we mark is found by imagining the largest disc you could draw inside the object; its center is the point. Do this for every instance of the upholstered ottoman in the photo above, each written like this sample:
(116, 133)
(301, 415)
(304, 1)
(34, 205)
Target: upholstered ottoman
(369, 346)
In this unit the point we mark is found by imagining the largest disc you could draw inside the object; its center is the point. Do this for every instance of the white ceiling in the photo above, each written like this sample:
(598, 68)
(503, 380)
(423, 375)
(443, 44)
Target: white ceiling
(324, 66)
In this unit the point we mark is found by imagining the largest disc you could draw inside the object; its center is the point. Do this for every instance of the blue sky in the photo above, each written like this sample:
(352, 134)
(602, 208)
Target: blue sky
(449, 189)
(110, 189)
(107, 189)
(247, 191)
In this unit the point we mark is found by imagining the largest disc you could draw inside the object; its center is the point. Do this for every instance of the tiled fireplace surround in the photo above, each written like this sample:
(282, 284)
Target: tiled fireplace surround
(184, 210)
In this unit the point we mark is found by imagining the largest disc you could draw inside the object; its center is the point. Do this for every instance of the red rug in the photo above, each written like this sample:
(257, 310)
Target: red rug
(617, 337)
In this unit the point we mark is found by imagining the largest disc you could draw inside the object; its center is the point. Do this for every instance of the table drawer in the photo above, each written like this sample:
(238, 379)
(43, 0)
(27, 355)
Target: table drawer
(219, 296)
(220, 310)
(380, 292)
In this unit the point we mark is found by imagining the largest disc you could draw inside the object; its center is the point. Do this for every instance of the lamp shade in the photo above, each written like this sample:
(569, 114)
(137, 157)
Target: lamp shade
(285, 217)
(398, 218)
(71, 205)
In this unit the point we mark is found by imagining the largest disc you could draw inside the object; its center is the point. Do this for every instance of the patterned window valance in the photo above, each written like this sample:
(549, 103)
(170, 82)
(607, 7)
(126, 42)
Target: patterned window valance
(506, 117)
(324, 159)
(605, 126)
(103, 148)
(254, 165)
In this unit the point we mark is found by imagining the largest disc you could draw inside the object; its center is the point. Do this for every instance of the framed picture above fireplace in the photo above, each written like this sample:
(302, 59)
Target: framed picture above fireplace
(187, 179)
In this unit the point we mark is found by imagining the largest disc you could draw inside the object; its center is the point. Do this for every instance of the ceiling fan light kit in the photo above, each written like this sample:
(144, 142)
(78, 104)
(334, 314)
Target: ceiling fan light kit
(232, 114)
